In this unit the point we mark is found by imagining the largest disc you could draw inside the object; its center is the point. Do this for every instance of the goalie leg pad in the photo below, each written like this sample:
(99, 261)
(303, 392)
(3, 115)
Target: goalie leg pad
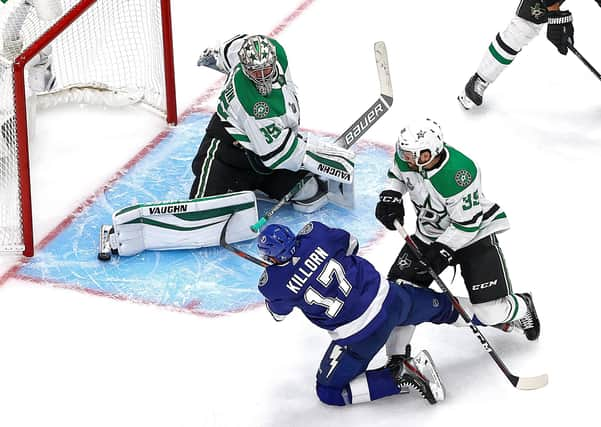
(312, 197)
(184, 224)
(341, 194)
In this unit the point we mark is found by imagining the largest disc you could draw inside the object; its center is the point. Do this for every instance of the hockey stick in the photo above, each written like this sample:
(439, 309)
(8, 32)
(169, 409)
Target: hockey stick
(584, 61)
(237, 251)
(354, 132)
(521, 383)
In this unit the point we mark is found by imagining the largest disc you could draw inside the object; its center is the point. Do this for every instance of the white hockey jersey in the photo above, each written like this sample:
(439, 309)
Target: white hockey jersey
(265, 125)
(449, 202)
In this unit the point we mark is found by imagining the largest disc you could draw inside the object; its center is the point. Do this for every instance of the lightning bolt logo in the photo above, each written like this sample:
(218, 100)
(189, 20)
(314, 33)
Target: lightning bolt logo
(334, 355)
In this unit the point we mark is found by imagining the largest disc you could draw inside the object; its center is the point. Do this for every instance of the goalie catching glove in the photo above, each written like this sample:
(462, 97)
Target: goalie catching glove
(329, 161)
(223, 57)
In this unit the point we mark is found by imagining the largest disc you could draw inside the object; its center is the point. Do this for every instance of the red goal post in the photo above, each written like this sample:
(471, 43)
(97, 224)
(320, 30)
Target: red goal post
(114, 52)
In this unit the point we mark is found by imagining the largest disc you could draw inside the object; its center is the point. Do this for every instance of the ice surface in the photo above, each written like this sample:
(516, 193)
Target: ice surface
(71, 358)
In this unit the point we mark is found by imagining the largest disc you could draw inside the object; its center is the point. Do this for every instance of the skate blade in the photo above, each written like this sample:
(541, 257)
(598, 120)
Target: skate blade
(104, 247)
(465, 102)
(425, 364)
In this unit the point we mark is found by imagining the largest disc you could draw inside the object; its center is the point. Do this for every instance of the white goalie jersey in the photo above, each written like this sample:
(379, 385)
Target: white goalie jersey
(450, 205)
(262, 124)
(268, 125)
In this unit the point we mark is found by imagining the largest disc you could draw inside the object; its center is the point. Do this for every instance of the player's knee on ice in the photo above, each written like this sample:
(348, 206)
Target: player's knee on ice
(331, 396)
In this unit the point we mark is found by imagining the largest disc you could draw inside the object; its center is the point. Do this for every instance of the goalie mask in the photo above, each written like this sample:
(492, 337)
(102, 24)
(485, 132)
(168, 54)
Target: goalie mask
(419, 137)
(258, 60)
(276, 243)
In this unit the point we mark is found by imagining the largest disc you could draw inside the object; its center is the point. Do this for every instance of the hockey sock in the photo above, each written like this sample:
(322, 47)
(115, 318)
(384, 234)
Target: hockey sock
(398, 339)
(372, 385)
(502, 310)
(505, 47)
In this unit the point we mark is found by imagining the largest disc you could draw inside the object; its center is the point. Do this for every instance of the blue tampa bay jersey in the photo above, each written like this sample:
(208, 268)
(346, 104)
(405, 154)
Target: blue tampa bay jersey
(335, 289)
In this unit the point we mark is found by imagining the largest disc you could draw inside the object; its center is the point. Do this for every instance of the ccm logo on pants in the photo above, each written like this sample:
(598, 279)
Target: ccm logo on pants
(484, 285)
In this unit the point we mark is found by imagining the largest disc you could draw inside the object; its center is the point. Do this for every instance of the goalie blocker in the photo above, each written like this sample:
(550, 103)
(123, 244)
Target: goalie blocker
(183, 224)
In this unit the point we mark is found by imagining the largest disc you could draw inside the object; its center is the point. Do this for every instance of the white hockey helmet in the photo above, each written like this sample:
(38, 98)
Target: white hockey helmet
(258, 60)
(417, 137)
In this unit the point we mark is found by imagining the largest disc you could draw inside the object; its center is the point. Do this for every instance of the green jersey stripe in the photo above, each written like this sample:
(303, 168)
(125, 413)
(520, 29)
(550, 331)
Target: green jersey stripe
(287, 155)
(466, 229)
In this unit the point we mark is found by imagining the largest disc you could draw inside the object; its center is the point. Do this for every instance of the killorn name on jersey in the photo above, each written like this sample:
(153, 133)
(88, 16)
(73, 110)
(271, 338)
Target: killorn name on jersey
(313, 261)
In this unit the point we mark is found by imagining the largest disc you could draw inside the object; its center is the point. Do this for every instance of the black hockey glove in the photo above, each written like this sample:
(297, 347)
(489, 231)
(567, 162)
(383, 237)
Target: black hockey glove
(438, 256)
(389, 208)
(560, 30)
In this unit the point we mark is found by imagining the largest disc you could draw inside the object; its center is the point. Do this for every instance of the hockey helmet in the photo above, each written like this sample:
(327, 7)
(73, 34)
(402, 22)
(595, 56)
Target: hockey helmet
(276, 243)
(258, 60)
(417, 137)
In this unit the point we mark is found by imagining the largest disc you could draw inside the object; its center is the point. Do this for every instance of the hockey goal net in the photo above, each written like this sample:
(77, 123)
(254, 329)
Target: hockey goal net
(112, 52)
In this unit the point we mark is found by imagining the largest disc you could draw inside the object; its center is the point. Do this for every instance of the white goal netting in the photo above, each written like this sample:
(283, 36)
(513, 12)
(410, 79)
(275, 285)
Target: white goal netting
(112, 54)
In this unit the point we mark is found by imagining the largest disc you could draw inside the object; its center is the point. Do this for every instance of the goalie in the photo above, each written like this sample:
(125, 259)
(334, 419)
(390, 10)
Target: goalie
(253, 140)
(252, 143)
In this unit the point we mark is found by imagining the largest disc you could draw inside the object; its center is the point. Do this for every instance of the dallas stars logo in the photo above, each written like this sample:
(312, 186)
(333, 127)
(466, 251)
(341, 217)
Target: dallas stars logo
(421, 134)
(429, 217)
(260, 110)
(404, 262)
(538, 12)
(463, 178)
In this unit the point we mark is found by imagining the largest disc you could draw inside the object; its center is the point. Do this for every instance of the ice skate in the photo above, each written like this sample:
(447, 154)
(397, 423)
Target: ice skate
(105, 248)
(420, 374)
(473, 92)
(505, 327)
(529, 324)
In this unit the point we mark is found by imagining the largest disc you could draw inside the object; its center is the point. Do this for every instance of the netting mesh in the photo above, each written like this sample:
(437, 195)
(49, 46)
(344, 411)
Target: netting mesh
(10, 208)
(113, 53)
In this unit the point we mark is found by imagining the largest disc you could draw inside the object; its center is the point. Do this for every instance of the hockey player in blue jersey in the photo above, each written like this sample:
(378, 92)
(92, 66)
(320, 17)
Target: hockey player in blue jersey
(319, 272)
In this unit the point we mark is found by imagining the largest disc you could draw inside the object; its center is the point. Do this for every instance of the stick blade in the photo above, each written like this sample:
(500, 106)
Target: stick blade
(532, 383)
(383, 70)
